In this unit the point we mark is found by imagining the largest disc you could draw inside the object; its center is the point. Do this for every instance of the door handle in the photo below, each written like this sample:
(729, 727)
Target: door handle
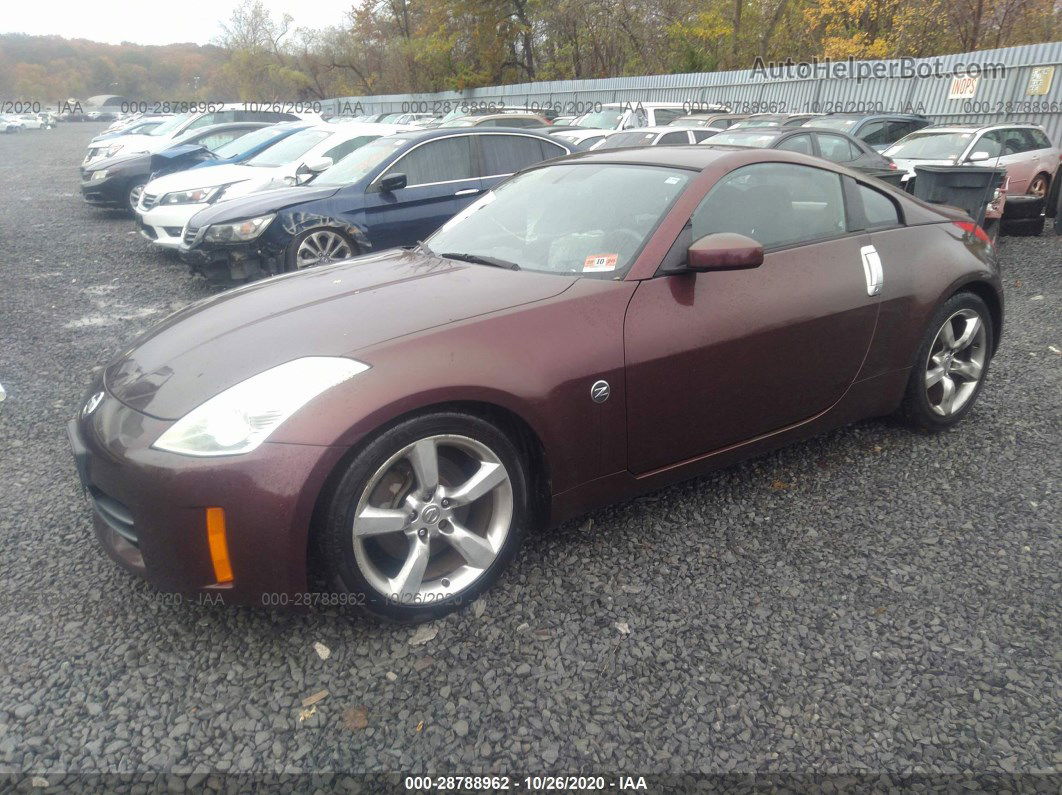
(872, 269)
(468, 192)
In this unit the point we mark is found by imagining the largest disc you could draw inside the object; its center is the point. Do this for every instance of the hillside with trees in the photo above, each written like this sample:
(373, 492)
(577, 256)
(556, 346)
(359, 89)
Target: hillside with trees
(393, 46)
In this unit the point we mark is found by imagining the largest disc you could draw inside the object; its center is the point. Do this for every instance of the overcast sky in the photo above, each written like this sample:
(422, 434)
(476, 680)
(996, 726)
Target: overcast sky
(167, 22)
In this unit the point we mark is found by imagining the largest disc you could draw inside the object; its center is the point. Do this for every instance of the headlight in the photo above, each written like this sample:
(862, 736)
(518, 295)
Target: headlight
(241, 230)
(243, 416)
(96, 176)
(197, 196)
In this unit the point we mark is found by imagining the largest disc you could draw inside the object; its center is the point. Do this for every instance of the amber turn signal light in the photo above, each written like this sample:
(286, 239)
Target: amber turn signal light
(219, 544)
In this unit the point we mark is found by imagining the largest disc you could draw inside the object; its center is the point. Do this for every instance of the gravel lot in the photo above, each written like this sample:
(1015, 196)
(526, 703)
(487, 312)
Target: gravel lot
(870, 601)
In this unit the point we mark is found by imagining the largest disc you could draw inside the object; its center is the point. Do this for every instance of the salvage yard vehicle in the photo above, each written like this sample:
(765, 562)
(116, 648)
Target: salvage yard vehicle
(162, 136)
(827, 144)
(655, 136)
(392, 192)
(878, 131)
(11, 124)
(410, 415)
(774, 120)
(522, 120)
(118, 181)
(716, 121)
(139, 126)
(1024, 150)
(168, 202)
(580, 139)
(628, 115)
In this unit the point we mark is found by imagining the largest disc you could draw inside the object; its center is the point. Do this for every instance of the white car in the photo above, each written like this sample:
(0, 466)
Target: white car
(628, 115)
(169, 201)
(580, 139)
(10, 124)
(139, 126)
(162, 136)
(31, 121)
(654, 136)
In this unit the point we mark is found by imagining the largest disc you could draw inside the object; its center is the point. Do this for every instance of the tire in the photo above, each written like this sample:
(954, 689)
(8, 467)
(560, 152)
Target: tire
(381, 492)
(328, 241)
(1040, 186)
(925, 405)
(1026, 227)
(1017, 208)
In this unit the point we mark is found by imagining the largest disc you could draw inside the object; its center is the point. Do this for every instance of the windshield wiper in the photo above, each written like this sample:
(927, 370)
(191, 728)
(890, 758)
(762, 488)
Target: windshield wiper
(479, 259)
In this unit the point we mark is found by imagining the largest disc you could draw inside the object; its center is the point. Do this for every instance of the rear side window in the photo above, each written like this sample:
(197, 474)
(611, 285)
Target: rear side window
(663, 116)
(217, 139)
(878, 208)
(700, 135)
(506, 154)
(797, 143)
(673, 139)
(446, 160)
(1040, 140)
(875, 133)
(837, 149)
(776, 204)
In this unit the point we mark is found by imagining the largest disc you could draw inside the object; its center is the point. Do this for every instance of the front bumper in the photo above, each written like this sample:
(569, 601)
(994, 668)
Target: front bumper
(164, 224)
(109, 192)
(239, 262)
(149, 506)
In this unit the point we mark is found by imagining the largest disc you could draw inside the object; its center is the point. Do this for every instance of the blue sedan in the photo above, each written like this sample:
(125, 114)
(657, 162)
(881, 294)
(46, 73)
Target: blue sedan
(391, 192)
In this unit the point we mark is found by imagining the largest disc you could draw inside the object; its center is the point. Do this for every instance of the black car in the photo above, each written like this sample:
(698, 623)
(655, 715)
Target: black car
(878, 131)
(827, 144)
(117, 181)
(391, 192)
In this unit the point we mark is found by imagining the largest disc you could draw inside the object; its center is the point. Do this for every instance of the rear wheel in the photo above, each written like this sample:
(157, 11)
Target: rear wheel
(951, 364)
(319, 247)
(426, 517)
(1040, 185)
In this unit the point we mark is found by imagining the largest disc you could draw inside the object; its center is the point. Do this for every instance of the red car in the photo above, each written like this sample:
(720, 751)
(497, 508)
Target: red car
(595, 327)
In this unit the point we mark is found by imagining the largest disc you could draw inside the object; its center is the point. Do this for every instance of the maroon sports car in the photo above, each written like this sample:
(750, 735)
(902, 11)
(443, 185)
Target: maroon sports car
(595, 327)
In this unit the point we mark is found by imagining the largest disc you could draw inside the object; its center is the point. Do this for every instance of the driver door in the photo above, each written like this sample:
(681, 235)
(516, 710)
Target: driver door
(718, 358)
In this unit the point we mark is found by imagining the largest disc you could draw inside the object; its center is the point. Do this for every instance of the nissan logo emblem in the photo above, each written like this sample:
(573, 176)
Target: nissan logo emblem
(600, 391)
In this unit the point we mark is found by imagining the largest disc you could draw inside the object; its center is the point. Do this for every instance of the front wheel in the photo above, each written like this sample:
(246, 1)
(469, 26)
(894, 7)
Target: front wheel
(319, 247)
(133, 197)
(426, 517)
(951, 364)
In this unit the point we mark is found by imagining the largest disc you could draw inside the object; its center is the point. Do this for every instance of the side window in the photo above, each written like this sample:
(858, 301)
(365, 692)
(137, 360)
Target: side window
(700, 135)
(674, 139)
(895, 130)
(875, 133)
(776, 204)
(340, 151)
(1013, 142)
(797, 143)
(445, 160)
(878, 208)
(721, 124)
(203, 121)
(1041, 140)
(506, 154)
(1031, 144)
(991, 142)
(836, 149)
(665, 116)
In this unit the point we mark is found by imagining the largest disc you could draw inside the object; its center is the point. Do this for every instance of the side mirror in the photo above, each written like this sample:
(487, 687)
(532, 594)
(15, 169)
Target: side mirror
(393, 182)
(724, 251)
(319, 165)
(978, 157)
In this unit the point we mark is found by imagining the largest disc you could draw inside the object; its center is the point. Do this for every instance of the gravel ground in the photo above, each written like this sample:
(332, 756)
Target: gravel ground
(870, 601)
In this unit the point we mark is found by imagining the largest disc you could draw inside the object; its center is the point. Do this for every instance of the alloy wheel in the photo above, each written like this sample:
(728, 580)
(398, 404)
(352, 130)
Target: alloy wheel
(432, 519)
(956, 362)
(134, 196)
(319, 248)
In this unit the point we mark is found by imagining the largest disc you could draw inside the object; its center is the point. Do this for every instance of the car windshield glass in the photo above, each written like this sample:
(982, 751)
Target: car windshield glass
(289, 149)
(757, 123)
(931, 146)
(171, 124)
(360, 162)
(464, 121)
(603, 119)
(245, 143)
(842, 125)
(609, 211)
(757, 139)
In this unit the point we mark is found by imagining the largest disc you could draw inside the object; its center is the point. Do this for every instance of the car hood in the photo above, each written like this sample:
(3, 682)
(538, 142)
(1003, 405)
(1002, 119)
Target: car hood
(134, 144)
(335, 310)
(268, 200)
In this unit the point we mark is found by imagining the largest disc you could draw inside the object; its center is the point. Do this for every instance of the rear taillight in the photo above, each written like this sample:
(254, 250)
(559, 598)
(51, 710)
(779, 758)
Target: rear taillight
(893, 166)
(970, 228)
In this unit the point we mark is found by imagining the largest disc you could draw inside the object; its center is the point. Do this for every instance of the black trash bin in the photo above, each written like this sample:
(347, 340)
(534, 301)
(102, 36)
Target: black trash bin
(969, 188)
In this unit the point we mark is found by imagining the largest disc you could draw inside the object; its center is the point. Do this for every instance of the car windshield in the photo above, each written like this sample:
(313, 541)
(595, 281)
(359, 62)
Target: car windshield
(759, 140)
(764, 122)
(841, 125)
(360, 162)
(171, 124)
(628, 139)
(290, 148)
(245, 143)
(931, 146)
(606, 119)
(609, 211)
(464, 121)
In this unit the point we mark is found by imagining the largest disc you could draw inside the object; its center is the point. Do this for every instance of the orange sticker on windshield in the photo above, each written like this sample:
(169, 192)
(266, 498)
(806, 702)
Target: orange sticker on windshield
(600, 262)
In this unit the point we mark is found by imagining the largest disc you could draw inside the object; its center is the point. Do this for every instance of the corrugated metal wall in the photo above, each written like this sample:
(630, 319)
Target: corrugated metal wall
(999, 97)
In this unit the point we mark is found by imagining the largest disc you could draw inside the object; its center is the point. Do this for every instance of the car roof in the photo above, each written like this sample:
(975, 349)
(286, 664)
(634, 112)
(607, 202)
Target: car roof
(444, 132)
(972, 128)
(696, 157)
(660, 128)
